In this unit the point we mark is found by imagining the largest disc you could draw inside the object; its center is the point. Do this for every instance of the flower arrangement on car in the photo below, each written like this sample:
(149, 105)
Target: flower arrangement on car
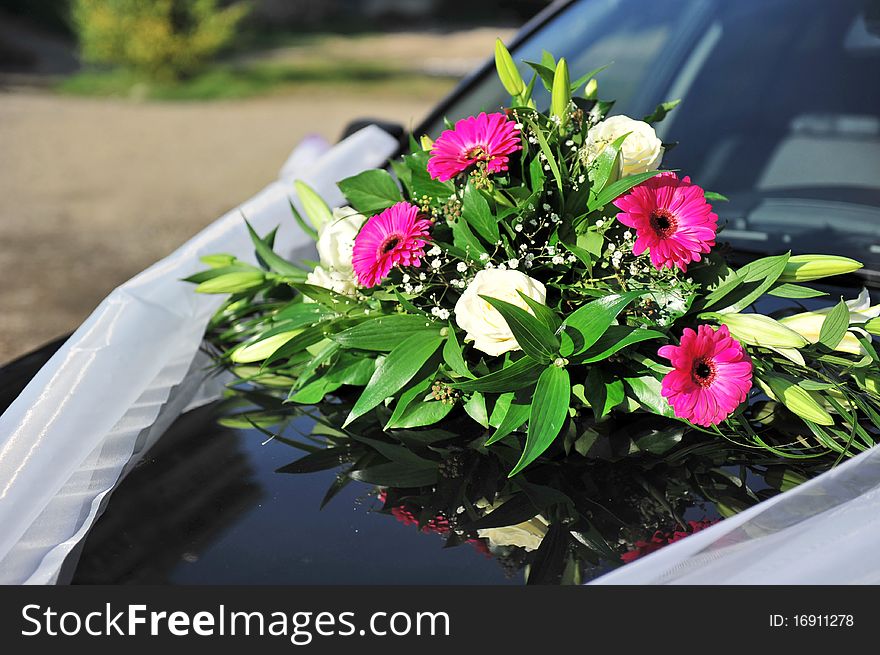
(540, 274)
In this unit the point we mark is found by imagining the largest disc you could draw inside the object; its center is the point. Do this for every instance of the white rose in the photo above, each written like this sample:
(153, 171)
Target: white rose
(483, 323)
(641, 152)
(338, 281)
(336, 238)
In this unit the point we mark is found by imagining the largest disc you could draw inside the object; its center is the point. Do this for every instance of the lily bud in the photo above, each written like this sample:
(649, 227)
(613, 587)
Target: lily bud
(510, 78)
(803, 268)
(313, 205)
(591, 88)
(760, 330)
(560, 97)
(809, 324)
(795, 398)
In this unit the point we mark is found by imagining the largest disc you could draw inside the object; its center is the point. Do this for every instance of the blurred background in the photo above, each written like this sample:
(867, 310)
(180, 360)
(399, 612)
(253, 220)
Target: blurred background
(126, 126)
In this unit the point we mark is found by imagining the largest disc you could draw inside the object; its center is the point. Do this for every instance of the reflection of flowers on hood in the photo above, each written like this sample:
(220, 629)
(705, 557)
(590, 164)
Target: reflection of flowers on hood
(438, 524)
(528, 534)
(660, 539)
(809, 324)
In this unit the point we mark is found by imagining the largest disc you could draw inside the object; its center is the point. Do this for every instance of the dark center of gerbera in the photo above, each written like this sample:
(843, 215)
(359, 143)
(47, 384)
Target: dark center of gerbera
(703, 371)
(389, 244)
(663, 222)
(477, 152)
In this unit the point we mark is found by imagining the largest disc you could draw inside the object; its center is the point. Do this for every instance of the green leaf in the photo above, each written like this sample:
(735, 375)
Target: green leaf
(475, 210)
(453, 356)
(517, 375)
(549, 560)
(717, 197)
(305, 227)
(548, 153)
(660, 112)
(747, 284)
(422, 183)
(548, 413)
(873, 326)
(319, 461)
(314, 392)
(385, 332)
(602, 394)
(464, 239)
(591, 242)
(788, 290)
(542, 312)
(658, 442)
(394, 371)
(834, 326)
(395, 474)
(416, 390)
(607, 164)
(422, 413)
(516, 415)
(536, 339)
(313, 205)
(583, 79)
(618, 188)
(352, 369)
(584, 326)
(616, 338)
(232, 282)
(646, 391)
(545, 72)
(327, 297)
(370, 191)
(273, 261)
(476, 409)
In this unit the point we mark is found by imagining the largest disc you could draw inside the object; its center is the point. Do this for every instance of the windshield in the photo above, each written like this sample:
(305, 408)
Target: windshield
(780, 106)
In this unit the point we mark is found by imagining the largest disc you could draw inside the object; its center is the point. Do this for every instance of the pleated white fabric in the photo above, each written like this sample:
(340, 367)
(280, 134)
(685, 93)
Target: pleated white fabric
(131, 369)
(822, 532)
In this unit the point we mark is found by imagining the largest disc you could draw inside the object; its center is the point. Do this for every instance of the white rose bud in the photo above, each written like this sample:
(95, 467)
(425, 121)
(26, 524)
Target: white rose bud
(338, 281)
(641, 152)
(336, 239)
(483, 323)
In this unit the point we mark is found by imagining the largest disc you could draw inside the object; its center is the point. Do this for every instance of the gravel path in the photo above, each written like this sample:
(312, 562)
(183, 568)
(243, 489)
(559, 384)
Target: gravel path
(94, 191)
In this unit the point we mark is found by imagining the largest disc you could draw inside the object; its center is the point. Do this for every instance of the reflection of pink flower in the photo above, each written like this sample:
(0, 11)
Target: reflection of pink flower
(660, 539)
(712, 375)
(487, 138)
(672, 220)
(480, 546)
(396, 237)
(403, 515)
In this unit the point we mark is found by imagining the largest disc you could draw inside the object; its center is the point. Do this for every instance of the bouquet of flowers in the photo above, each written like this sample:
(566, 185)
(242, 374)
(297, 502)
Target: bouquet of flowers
(538, 272)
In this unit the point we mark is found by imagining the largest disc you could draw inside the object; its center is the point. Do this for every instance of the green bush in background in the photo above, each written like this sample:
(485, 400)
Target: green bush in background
(163, 40)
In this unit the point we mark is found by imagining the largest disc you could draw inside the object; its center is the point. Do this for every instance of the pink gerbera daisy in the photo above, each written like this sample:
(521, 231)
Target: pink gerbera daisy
(672, 220)
(396, 237)
(712, 376)
(486, 138)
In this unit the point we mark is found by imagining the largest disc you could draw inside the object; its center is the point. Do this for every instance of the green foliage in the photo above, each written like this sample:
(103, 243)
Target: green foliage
(161, 39)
